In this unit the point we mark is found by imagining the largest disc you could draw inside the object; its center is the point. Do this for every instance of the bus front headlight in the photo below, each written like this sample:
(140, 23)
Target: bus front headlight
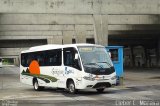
(114, 77)
(88, 78)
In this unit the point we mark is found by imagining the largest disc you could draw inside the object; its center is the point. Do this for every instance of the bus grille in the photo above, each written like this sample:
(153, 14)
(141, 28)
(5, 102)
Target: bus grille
(102, 85)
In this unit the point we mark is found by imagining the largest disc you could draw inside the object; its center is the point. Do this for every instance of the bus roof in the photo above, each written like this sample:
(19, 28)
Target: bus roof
(56, 46)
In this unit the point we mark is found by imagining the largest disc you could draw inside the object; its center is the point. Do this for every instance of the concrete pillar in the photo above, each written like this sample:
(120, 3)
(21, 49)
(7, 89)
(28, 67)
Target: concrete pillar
(146, 56)
(101, 29)
(105, 29)
(55, 40)
(132, 57)
(67, 37)
(81, 33)
(158, 52)
(16, 61)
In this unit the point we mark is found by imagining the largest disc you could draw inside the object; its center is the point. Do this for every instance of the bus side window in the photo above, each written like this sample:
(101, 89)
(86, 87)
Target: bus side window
(30, 57)
(39, 56)
(24, 59)
(114, 54)
(69, 58)
(53, 57)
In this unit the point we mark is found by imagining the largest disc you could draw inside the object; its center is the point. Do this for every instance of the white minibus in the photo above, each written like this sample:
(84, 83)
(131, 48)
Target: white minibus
(72, 67)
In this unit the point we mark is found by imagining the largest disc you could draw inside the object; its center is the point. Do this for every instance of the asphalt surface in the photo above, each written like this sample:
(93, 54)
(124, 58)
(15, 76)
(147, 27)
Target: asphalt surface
(139, 85)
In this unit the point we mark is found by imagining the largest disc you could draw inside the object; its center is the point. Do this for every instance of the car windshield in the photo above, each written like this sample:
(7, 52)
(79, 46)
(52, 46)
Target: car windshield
(96, 56)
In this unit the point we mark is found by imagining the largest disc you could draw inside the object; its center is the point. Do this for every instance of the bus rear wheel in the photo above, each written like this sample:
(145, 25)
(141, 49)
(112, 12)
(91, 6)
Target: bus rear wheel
(36, 86)
(100, 90)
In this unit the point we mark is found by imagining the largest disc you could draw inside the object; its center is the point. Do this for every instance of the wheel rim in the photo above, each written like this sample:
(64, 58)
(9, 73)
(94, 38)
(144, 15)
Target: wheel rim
(71, 88)
(36, 85)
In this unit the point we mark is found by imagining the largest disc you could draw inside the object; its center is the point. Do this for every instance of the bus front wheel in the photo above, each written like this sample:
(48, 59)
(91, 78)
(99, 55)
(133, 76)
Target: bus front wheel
(71, 87)
(100, 90)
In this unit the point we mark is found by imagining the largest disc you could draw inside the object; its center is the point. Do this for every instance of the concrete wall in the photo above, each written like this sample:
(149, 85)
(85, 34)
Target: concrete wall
(47, 26)
(81, 6)
(44, 19)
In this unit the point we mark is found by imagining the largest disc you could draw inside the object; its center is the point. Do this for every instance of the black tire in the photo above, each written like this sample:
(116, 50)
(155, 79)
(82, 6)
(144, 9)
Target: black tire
(71, 87)
(36, 86)
(100, 90)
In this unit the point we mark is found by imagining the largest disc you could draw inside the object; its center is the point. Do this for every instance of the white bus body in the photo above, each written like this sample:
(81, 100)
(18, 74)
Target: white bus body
(73, 67)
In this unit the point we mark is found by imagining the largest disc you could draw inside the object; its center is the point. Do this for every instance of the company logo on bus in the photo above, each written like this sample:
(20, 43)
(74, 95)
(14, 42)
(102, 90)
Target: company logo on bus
(56, 71)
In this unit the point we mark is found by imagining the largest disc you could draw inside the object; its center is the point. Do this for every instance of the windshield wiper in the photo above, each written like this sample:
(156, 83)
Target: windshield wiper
(107, 64)
(93, 64)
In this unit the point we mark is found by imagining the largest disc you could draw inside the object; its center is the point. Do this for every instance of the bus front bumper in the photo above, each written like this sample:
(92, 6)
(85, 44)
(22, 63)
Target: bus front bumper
(97, 83)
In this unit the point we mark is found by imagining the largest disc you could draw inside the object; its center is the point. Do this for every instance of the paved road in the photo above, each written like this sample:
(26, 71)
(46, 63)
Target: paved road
(138, 85)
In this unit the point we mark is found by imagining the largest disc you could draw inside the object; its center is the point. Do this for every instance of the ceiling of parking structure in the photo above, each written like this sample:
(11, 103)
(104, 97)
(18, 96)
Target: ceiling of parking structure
(133, 41)
(149, 42)
(148, 38)
(21, 43)
(134, 34)
(140, 30)
(134, 31)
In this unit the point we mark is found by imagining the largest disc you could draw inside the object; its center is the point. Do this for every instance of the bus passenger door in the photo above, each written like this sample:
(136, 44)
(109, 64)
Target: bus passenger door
(72, 67)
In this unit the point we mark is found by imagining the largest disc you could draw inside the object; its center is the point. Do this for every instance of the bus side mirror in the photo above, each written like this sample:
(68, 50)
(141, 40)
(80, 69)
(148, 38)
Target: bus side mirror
(110, 54)
(76, 56)
(77, 62)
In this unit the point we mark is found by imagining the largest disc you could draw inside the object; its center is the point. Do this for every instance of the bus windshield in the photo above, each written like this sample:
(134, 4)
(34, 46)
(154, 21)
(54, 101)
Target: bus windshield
(96, 60)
